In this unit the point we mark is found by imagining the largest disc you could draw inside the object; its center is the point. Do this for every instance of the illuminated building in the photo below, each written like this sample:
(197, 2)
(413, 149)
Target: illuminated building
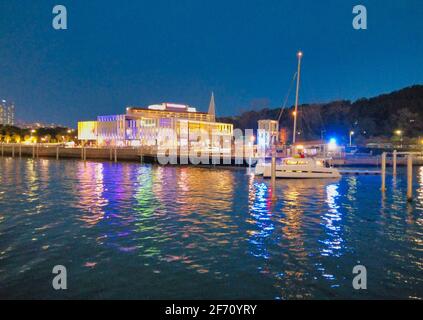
(160, 124)
(7, 113)
(87, 130)
(268, 133)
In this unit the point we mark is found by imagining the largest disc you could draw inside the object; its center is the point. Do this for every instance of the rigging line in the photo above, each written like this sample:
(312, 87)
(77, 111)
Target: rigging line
(322, 124)
(321, 119)
(304, 125)
(287, 96)
(309, 127)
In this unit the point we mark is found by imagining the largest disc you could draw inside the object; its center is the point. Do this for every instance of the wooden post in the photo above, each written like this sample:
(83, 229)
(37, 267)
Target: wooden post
(20, 150)
(111, 156)
(57, 152)
(2, 149)
(13, 151)
(33, 151)
(383, 172)
(85, 154)
(38, 150)
(115, 154)
(410, 178)
(394, 163)
(82, 153)
(273, 176)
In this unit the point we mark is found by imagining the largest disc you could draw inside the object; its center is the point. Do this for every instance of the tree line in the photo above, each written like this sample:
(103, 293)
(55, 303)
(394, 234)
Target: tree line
(12, 134)
(374, 119)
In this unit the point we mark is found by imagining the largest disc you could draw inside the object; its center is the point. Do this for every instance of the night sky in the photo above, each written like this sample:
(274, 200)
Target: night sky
(133, 52)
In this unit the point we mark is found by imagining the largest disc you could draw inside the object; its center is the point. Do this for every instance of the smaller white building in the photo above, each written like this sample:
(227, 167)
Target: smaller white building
(268, 133)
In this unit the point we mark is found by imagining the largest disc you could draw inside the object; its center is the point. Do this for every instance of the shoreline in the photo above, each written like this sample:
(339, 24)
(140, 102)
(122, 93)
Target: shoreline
(147, 155)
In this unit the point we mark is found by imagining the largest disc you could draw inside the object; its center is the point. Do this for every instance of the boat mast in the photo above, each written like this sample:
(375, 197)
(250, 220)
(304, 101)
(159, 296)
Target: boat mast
(299, 55)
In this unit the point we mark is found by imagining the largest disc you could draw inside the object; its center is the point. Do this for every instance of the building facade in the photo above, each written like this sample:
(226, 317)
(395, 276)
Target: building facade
(87, 130)
(7, 113)
(166, 124)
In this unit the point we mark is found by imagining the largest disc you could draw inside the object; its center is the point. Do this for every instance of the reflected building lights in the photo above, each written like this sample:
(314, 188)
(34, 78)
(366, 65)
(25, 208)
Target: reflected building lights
(420, 189)
(91, 189)
(333, 244)
(260, 213)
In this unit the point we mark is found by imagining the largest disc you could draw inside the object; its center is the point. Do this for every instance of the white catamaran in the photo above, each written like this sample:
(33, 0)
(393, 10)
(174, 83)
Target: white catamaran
(299, 168)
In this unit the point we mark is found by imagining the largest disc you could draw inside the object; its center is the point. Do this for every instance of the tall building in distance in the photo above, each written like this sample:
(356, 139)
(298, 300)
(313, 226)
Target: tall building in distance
(7, 113)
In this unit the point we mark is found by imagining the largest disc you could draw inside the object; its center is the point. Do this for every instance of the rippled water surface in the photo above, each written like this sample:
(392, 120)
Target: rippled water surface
(139, 231)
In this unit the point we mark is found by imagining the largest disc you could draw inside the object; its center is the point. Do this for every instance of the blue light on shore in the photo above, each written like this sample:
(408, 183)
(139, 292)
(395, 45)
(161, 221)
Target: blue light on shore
(332, 145)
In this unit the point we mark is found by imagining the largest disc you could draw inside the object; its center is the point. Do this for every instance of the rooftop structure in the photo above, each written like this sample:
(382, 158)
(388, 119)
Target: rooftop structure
(212, 108)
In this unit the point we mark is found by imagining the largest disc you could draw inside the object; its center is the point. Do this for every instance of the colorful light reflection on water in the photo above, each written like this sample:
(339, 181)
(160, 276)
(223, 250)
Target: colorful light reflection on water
(139, 231)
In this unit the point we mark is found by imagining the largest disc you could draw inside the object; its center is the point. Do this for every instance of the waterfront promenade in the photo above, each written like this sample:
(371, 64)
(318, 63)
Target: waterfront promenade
(134, 154)
(149, 155)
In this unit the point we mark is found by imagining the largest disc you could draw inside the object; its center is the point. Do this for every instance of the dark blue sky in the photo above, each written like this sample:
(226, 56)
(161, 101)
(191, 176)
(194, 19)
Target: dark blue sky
(133, 52)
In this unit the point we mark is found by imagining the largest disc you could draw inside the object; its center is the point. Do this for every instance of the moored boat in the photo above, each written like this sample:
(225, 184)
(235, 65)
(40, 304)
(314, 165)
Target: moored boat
(298, 168)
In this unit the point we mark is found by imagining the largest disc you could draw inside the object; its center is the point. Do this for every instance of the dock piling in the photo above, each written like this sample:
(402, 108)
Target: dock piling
(2, 150)
(13, 151)
(273, 176)
(57, 153)
(249, 165)
(409, 178)
(115, 154)
(383, 172)
(394, 163)
(20, 150)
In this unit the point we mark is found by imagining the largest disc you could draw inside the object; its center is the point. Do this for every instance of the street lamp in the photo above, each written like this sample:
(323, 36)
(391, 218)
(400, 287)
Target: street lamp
(33, 131)
(351, 134)
(399, 133)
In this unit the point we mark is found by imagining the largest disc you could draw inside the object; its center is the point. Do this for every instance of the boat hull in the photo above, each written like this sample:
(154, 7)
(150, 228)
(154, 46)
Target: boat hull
(292, 172)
